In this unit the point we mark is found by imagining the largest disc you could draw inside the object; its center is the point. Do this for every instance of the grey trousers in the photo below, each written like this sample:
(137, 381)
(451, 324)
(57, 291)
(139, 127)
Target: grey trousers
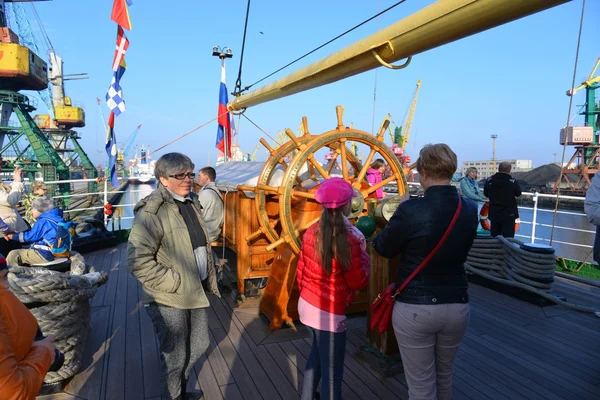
(428, 337)
(183, 338)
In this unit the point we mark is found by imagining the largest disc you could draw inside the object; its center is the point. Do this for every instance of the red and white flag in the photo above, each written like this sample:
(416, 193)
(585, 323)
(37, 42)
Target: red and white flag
(120, 49)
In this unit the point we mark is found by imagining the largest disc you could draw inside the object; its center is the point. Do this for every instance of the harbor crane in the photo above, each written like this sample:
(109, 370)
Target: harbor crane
(577, 173)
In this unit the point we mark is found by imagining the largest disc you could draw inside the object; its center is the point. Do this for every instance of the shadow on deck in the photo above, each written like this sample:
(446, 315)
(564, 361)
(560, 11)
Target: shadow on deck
(512, 350)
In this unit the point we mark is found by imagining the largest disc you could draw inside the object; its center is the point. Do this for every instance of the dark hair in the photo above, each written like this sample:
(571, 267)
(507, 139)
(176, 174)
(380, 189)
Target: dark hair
(378, 163)
(332, 239)
(210, 172)
(504, 167)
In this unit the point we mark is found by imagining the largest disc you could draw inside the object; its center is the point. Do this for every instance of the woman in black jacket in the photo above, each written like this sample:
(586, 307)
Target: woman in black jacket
(432, 313)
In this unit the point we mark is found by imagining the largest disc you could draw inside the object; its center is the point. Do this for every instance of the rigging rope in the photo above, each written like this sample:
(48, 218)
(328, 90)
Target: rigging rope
(325, 44)
(259, 128)
(238, 82)
(175, 140)
(562, 162)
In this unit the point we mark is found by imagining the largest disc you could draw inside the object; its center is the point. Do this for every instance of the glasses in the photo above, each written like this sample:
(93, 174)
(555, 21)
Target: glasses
(182, 176)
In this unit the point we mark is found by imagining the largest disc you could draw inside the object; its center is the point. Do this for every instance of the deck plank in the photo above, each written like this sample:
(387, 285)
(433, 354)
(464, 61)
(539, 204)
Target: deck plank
(512, 349)
(115, 376)
(241, 375)
(150, 353)
(134, 382)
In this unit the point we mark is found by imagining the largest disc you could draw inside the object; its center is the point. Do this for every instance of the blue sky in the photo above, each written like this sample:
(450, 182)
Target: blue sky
(510, 80)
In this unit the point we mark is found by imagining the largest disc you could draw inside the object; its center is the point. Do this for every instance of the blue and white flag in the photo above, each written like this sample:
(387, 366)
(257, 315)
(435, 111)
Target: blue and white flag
(111, 150)
(114, 96)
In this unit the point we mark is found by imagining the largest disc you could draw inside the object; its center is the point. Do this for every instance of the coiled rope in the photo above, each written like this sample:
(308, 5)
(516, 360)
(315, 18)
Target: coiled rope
(503, 261)
(60, 303)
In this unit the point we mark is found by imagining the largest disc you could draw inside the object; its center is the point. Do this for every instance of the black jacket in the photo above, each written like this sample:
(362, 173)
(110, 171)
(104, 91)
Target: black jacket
(502, 190)
(415, 229)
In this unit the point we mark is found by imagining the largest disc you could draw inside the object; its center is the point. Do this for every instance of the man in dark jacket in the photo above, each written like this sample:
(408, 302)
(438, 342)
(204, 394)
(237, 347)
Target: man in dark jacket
(502, 190)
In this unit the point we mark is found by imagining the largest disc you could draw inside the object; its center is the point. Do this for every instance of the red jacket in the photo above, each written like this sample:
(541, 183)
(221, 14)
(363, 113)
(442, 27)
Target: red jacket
(335, 292)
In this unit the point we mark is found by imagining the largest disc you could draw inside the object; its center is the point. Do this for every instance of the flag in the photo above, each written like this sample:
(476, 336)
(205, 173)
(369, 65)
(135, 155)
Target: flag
(224, 127)
(120, 49)
(120, 14)
(114, 96)
(234, 132)
(111, 150)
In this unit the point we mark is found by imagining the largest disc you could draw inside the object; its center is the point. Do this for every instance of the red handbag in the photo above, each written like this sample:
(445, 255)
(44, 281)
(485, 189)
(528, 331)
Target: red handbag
(382, 307)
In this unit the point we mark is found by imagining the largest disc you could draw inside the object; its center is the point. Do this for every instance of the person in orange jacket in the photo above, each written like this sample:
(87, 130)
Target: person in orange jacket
(23, 361)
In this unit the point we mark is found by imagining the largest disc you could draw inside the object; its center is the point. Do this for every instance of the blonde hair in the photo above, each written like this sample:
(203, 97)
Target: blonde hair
(438, 161)
(470, 169)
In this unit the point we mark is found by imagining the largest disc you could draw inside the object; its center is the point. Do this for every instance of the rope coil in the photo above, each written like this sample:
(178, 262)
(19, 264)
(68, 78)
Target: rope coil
(502, 260)
(60, 303)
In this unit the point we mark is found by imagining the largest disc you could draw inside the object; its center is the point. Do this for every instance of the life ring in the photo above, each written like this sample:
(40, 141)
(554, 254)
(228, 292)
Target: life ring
(485, 222)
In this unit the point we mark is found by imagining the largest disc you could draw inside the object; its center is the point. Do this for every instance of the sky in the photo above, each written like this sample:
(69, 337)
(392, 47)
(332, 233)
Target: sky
(510, 80)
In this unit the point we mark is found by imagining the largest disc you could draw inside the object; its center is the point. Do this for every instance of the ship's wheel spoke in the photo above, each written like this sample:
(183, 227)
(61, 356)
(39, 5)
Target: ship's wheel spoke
(332, 162)
(300, 193)
(365, 167)
(366, 192)
(318, 167)
(344, 159)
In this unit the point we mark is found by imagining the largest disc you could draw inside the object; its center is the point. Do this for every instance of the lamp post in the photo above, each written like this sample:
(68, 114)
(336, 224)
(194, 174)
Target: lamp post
(223, 53)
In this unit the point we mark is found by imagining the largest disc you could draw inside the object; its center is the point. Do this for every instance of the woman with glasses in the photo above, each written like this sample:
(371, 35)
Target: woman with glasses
(168, 253)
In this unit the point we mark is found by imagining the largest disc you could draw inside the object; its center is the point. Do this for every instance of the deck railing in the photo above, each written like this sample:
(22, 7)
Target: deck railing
(535, 197)
(535, 224)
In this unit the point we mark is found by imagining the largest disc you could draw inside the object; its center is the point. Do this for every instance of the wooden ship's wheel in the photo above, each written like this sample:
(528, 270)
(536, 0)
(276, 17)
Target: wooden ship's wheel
(287, 209)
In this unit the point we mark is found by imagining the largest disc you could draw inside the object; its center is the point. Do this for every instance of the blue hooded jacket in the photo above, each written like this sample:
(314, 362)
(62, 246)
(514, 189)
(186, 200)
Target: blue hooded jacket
(43, 232)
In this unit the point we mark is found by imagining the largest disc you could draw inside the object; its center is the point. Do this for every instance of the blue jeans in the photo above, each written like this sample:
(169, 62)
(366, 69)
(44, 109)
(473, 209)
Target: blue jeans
(325, 362)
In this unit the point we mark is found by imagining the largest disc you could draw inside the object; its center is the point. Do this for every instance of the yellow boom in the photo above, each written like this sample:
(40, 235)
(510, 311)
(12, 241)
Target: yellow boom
(440, 23)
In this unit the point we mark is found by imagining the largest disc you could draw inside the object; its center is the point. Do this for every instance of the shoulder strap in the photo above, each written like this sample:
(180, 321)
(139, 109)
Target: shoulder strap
(218, 194)
(435, 250)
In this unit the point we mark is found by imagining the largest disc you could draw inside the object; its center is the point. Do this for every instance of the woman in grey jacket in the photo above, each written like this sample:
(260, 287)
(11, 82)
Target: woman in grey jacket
(168, 253)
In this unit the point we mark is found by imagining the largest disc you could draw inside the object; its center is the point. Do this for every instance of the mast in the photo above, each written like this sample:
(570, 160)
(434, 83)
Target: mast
(440, 23)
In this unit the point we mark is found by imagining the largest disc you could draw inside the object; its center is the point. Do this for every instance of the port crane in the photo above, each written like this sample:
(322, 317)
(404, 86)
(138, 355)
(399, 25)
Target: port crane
(577, 173)
(121, 154)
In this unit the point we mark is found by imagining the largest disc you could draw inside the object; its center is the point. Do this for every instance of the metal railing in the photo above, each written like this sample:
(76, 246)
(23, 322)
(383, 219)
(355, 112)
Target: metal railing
(534, 221)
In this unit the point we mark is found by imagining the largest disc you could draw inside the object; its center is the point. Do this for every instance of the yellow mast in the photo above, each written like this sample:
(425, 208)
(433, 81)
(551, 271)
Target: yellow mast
(442, 22)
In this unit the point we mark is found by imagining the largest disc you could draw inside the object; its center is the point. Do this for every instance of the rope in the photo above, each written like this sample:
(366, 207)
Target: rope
(259, 128)
(177, 139)
(562, 162)
(502, 260)
(238, 82)
(60, 303)
(325, 44)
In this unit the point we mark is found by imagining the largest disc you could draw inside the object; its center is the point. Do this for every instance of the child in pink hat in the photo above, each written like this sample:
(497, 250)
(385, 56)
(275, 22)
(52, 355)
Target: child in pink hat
(332, 265)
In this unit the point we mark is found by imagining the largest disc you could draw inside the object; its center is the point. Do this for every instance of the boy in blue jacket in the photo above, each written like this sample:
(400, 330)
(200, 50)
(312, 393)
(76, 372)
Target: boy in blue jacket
(42, 236)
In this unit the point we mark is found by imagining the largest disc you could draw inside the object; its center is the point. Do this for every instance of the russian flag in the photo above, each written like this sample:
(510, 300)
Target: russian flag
(224, 127)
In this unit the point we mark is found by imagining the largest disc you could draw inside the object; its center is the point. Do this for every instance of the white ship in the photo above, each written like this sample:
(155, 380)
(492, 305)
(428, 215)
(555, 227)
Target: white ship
(141, 168)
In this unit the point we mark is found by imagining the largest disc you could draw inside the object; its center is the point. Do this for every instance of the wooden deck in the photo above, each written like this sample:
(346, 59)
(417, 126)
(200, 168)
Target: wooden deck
(512, 350)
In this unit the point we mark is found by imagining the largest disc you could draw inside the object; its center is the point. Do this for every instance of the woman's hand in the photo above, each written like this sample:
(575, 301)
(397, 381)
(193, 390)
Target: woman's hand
(18, 175)
(47, 342)
(9, 236)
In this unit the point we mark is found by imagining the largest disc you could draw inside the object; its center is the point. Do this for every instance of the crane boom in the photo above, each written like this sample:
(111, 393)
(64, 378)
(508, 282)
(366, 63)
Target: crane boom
(409, 117)
(132, 140)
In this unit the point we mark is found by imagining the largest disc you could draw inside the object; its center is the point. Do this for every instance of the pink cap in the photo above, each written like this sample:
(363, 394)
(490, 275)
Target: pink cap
(334, 193)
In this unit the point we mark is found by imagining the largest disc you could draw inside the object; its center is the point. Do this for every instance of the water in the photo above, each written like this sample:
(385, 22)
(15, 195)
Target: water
(577, 252)
(132, 196)
(579, 238)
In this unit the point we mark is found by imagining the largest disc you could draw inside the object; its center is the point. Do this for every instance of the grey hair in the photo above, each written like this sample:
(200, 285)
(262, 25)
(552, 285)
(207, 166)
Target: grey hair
(43, 204)
(172, 163)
